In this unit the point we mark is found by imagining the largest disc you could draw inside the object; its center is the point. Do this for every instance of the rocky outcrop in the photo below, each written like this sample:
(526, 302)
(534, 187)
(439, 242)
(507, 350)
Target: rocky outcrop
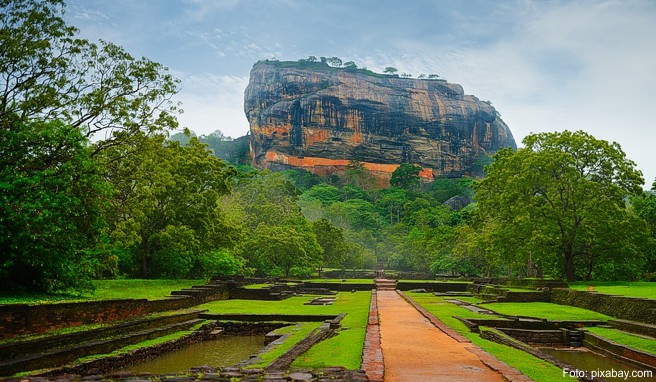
(319, 118)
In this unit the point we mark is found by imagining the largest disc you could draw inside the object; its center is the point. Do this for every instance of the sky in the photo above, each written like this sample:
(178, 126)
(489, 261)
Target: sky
(546, 65)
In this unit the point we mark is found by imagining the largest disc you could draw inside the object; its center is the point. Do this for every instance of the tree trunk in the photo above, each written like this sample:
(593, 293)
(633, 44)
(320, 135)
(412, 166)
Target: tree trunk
(145, 260)
(569, 266)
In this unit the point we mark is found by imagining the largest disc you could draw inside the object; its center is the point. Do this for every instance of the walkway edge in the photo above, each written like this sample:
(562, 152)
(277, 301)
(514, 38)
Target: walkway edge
(508, 372)
(372, 352)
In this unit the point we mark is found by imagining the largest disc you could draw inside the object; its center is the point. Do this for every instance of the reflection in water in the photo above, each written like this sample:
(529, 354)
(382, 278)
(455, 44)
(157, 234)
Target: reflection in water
(589, 361)
(224, 351)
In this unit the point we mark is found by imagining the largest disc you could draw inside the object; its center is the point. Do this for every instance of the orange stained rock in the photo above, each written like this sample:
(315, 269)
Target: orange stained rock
(414, 350)
(313, 163)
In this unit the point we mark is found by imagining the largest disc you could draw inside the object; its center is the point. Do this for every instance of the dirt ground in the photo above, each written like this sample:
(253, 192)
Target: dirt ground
(414, 350)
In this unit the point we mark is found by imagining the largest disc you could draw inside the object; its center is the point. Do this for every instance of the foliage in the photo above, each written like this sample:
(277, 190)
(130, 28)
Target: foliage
(58, 92)
(165, 208)
(219, 262)
(276, 250)
(406, 176)
(51, 196)
(560, 201)
(48, 73)
(331, 239)
(645, 207)
(355, 174)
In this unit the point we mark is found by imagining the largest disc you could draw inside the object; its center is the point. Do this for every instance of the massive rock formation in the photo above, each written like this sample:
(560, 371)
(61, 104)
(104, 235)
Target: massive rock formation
(315, 117)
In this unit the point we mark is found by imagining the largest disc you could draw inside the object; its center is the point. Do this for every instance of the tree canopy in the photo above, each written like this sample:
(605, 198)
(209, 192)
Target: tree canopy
(560, 201)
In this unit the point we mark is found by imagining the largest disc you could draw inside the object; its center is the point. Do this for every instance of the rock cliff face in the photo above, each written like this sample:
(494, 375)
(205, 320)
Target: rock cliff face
(318, 118)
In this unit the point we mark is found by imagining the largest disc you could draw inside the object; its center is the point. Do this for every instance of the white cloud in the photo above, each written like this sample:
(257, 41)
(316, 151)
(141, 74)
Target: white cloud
(212, 102)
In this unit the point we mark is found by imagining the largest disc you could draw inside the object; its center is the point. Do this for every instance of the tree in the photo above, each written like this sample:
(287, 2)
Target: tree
(165, 209)
(390, 70)
(561, 199)
(645, 207)
(325, 193)
(356, 174)
(59, 93)
(406, 176)
(433, 76)
(350, 65)
(51, 198)
(47, 73)
(275, 250)
(335, 61)
(331, 239)
(266, 198)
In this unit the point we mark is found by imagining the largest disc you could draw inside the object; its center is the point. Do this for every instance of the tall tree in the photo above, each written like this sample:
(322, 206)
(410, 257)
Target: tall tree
(406, 176)
(562, 198)
(46, 72)
(331, 239)
(51, 196)
(165, 206)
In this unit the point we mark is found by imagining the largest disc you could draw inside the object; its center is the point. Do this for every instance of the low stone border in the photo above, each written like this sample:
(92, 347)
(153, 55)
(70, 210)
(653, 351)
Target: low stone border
(509, 373)
(267, 317)
(372, 352)
(634, 327)
(23, 348)
(623, 307)
(206, 373)
(616, 350)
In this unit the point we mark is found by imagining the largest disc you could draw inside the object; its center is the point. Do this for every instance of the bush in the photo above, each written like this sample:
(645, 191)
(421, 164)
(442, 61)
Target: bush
(219, 262)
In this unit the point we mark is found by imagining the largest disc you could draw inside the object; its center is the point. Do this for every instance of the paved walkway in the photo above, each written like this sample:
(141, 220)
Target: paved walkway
(415, 350)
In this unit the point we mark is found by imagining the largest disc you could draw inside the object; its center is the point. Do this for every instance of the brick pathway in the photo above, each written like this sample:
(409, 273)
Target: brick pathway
(415, 350)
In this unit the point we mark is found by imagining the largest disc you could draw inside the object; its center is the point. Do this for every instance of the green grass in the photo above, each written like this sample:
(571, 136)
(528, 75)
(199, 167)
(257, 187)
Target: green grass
(344, 349)
(545, 310)
(642, 289)
(107, 290)
(294, 333)
(626, 339)
(533, 367)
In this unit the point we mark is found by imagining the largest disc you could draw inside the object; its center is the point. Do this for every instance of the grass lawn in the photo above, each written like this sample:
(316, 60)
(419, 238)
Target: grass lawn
(546, 310)
(626, 339)
(642, 289)
(108, 290)
(345, 349)
(534, 368)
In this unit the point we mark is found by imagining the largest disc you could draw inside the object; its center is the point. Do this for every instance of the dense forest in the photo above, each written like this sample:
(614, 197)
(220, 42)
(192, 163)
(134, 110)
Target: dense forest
(97, 182)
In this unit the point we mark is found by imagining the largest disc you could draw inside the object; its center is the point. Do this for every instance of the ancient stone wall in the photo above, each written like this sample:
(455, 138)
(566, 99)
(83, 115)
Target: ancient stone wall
(17, 319)
(552, 338)
(627, 308)
(608, 347)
